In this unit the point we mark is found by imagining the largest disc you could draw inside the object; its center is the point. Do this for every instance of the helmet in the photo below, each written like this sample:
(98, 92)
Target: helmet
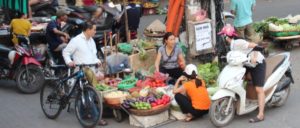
(189, 69)
(228, 30)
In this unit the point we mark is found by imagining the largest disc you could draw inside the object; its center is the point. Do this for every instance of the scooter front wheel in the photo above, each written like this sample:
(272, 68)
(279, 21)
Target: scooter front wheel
(29, 79)
(217, 112)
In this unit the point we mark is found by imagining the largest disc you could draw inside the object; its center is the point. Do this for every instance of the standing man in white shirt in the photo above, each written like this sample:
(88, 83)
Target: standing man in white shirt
(82, 49)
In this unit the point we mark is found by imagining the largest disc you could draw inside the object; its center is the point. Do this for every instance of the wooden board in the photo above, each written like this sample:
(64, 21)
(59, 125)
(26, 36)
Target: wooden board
(137, 64)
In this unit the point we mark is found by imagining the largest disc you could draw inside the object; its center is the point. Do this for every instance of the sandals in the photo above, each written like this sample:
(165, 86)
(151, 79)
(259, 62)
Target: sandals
(255, 120)
(188, 119)
(102, 122)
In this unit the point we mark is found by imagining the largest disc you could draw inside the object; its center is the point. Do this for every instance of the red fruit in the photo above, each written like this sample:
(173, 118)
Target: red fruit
(153, 104)
(164, 102)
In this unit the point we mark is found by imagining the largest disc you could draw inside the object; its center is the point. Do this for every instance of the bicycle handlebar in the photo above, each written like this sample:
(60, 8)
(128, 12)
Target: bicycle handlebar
(83, 65)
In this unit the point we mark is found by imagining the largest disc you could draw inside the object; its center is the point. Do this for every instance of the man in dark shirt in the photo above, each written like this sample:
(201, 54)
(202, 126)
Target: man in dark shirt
(56, 39)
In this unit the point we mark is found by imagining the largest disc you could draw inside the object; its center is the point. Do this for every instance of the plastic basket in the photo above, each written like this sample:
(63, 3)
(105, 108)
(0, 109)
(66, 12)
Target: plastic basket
(152, 111)
(282, 34)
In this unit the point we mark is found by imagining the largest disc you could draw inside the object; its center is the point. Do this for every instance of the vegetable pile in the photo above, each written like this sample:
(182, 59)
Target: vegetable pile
(209, 72)
(115, 94)
(103, 87)
(127, 83)
(146, 103)
(275, 24)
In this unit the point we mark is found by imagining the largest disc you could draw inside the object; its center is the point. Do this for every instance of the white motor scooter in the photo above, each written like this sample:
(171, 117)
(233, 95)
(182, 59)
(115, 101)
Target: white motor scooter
(232, 97)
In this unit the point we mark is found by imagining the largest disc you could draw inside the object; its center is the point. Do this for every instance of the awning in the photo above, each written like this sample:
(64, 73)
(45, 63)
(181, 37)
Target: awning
(17, 5)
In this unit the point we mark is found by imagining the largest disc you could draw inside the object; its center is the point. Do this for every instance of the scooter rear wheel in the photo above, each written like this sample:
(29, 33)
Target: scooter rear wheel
(217, 112)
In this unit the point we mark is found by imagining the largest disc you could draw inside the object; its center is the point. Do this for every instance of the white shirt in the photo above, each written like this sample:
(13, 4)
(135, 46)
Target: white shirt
(243, 46)
(82, 50)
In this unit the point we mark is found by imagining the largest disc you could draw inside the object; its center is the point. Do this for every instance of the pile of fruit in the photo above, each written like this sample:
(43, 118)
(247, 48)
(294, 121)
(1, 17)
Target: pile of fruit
(148, 102)
(113, 82)
(157, 80)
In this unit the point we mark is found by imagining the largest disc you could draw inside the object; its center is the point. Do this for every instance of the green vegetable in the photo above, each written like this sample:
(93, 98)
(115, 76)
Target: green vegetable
(102, 87)
(209, 72)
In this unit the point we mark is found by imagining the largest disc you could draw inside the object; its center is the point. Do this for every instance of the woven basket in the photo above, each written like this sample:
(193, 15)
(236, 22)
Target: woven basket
(152, 111)
(114, 101)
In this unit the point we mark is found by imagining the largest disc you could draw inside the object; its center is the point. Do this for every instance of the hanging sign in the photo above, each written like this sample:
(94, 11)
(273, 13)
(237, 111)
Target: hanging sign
(203, 33)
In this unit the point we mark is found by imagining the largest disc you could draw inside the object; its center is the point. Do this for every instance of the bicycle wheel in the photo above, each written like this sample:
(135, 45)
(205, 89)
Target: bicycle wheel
(50, 99)
(89, 112)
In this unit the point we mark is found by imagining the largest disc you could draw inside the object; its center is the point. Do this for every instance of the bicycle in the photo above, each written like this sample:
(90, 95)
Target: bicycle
(57, 94)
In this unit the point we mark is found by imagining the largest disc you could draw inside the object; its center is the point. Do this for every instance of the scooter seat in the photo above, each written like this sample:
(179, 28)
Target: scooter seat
(272, 63)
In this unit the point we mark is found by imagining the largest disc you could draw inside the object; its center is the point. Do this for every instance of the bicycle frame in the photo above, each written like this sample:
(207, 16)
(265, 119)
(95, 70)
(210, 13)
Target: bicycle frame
(79, 75)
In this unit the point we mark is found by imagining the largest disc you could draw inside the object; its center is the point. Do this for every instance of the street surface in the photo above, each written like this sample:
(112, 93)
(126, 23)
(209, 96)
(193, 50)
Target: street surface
(23, 111)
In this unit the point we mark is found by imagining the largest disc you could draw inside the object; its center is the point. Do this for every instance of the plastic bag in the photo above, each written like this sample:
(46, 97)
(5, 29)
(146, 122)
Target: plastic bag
(125, 48)
(117, 62)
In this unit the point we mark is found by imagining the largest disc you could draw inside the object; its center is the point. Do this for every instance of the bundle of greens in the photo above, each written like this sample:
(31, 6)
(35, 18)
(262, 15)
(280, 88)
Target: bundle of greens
(209, 72)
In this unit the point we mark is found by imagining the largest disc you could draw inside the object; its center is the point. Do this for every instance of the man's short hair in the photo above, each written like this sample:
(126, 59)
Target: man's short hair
(87, 25)
(61, 13)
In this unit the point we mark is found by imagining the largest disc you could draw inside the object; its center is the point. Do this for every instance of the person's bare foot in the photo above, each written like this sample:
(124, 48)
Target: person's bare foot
(189, 117)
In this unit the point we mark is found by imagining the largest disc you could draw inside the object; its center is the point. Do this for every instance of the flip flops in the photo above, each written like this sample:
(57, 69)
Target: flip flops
(255, 120)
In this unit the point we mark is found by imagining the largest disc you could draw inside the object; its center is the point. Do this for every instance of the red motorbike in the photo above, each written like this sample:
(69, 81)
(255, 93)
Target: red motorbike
(19, 65)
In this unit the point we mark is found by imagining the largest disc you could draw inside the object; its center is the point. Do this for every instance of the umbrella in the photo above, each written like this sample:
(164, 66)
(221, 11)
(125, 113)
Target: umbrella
(17, 5)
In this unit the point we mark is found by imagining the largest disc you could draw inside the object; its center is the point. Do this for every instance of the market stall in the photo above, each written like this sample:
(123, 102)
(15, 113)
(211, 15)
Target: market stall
(145, 98)
(283, 30)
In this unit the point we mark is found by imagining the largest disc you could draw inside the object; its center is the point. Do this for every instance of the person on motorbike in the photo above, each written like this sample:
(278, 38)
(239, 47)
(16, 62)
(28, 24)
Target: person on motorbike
(258, 68)
(82, 49)
(56, 38)
(96, 16)
(196, 103)
(20, 27)
(170, 58)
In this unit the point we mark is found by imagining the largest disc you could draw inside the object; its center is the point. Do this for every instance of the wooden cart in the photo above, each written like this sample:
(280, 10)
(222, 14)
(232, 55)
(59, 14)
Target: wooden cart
(289, 41)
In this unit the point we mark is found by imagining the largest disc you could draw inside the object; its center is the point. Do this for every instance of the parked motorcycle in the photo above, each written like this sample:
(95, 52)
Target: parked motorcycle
(20, 66)
(232, 98)
(44, 8)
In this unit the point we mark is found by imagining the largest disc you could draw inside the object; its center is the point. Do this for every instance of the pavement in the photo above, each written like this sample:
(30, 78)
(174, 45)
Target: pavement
(19, 110)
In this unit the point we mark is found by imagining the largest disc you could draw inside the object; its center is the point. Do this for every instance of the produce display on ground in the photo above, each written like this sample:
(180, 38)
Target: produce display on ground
(146, 102)
(103, 87)
(278, 27)
(157, 80)
(127, 83)
(209, 72)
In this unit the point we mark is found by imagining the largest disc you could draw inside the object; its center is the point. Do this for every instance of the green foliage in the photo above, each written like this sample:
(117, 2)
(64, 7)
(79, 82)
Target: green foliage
(209, 72)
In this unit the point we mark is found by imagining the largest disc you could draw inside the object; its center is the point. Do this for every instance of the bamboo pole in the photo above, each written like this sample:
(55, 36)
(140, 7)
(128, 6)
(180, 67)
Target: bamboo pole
(126, 22)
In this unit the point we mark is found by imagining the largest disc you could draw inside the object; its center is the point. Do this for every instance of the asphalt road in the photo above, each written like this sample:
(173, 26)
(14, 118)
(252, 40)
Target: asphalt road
(23, 111)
